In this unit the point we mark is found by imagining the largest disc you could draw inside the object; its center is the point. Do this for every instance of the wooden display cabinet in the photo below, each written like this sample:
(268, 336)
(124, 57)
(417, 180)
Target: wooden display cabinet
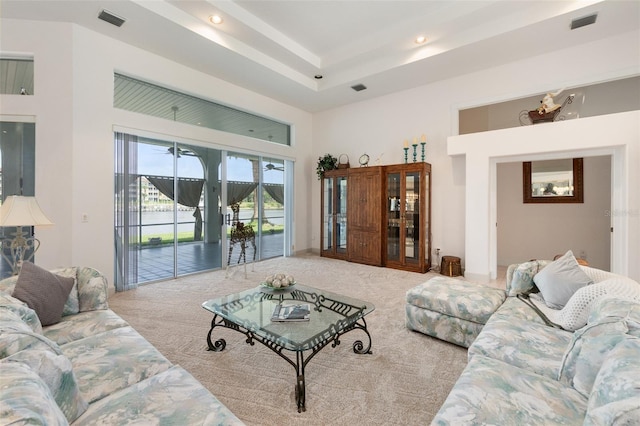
(407, 218)
(378, 215)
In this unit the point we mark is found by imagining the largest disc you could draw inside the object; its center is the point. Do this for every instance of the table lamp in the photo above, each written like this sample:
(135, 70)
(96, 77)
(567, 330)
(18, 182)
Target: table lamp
(19, 211)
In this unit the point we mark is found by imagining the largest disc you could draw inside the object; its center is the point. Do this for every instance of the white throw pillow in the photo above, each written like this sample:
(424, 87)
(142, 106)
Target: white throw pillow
(576, 312)
(560, 280)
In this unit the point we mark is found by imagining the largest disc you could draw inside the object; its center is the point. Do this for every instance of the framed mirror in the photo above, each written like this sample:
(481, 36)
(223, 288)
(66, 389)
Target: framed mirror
(553, 181)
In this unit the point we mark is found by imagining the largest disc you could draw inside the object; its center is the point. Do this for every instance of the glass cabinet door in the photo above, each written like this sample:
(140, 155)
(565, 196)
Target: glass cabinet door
(327, 214)
(341, 215)
(407, 217)
(426, 219)
(394, 216)
(334, 214)
(412, 217)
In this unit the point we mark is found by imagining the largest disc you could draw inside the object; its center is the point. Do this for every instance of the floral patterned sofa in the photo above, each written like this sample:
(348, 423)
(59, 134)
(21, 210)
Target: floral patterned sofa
(523, 371)
(91, 367)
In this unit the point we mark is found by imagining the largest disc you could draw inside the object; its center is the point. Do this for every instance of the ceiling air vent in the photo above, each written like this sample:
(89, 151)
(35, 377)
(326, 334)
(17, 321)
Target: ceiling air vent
(584, 21)
(109, 17)
(359, 87)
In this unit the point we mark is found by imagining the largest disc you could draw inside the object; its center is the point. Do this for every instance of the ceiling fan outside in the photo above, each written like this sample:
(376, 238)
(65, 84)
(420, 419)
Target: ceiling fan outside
(272, 166)
(181, 152)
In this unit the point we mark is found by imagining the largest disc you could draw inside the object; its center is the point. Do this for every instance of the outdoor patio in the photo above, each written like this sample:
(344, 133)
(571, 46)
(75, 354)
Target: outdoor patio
(156, 263)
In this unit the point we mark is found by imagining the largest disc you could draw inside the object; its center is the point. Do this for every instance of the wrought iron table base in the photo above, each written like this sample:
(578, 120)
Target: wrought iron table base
(300, 362)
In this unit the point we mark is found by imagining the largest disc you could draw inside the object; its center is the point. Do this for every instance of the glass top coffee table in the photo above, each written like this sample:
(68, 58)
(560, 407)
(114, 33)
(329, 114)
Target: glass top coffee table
(331, 316)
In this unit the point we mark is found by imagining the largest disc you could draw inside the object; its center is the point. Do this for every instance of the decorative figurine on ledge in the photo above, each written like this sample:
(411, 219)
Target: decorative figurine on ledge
(548, 104)
(547, 112)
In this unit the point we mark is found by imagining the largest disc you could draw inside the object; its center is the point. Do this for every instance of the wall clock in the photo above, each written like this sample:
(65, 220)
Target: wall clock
(364, 160)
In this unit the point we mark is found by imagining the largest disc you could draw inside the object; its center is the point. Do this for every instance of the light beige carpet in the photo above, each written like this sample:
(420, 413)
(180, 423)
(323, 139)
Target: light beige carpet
(404, 381)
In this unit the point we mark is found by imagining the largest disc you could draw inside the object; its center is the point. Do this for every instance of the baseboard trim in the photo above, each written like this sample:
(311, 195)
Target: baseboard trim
(479, 278)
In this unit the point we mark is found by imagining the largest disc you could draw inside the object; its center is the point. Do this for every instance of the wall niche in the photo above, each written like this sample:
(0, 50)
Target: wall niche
(596, 99)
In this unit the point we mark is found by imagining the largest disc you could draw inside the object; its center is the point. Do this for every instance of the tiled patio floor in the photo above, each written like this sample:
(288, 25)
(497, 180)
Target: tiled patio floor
(156, 263)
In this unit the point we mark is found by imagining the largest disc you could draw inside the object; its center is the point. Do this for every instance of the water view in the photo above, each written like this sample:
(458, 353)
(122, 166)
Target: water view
(161, 222)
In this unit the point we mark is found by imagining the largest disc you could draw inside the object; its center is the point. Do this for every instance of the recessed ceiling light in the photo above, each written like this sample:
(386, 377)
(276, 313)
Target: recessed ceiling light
(420, 39)
(216, 19)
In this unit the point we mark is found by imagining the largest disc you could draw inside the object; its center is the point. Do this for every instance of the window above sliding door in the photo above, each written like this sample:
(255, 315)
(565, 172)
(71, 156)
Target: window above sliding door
(139, 96)
(16, 76)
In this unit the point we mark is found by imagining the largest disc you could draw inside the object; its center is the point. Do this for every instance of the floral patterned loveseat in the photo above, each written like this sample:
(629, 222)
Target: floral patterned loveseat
(523, 371)
(91, 367)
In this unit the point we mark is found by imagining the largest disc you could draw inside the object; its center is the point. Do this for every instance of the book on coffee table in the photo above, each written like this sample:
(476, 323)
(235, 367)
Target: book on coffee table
(291, 312)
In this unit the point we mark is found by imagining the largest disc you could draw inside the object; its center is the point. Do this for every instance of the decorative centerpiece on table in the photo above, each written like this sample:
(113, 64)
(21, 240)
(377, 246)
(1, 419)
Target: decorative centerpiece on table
(279, 282)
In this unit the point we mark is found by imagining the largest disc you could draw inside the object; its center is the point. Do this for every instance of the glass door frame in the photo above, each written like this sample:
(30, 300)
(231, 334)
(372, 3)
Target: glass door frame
(259, 201)
(184, 184)
(334, 222)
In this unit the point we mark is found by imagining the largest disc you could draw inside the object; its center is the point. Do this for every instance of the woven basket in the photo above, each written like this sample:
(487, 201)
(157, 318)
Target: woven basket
(343, 161)
(450, 266)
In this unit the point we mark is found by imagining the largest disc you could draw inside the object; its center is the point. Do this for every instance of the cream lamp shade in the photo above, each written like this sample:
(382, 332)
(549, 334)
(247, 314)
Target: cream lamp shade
(18, 210)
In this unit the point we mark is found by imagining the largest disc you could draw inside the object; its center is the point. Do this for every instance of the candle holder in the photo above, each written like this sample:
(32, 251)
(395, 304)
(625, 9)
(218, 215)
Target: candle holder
(406, 151)
(415, 152)
(423, 144)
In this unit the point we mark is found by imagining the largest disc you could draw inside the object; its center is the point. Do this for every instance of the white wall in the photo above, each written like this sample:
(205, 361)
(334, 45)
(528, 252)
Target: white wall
(380, 125)
(75, 120)
(51, 109)
(540, 231)
(617, 135)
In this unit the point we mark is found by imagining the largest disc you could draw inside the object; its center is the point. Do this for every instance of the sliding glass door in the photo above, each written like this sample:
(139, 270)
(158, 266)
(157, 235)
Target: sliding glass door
(179, 208)
(255, 216)
(241, 213)
(272, 225)
(166, 223)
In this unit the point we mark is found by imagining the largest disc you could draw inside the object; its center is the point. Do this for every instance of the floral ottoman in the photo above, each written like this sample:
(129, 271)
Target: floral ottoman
(451, 309)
